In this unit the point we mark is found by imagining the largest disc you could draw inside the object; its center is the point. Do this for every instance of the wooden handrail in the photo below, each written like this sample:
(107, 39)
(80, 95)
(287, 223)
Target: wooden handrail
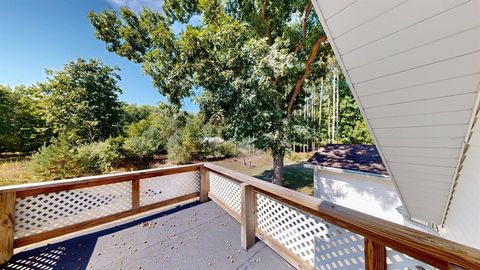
(25, 190)
(434, 250)
(8, 195)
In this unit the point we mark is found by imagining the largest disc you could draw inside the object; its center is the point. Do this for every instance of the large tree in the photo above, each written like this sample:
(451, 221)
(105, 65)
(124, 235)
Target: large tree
(22, 127)
(251, 58)
(81, 101)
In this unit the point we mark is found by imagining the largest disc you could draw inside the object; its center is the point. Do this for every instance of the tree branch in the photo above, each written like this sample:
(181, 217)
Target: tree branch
(306, 13)
(266, 21)
(306, 72)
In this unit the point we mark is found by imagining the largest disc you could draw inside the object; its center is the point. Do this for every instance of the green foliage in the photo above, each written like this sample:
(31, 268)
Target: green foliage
(248, 57)
(81, 101)
(62, 159)
(149, 136)
(187, 145)
(22, 127)
(146, 145)
(177, 153)
(56, 161)
(134, 113)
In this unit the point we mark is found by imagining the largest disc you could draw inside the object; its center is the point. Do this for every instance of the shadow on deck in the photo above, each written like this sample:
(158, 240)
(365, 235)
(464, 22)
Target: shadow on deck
(193, 236)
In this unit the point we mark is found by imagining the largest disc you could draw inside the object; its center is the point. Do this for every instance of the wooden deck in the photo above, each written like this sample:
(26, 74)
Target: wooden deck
(193, 236)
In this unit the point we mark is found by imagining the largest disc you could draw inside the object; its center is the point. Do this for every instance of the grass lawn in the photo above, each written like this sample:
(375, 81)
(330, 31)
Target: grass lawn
(295, 177)
(15, 170)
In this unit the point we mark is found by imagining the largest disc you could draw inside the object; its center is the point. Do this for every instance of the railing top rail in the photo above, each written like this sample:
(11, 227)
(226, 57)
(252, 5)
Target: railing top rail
(88, 181)
(431, 249)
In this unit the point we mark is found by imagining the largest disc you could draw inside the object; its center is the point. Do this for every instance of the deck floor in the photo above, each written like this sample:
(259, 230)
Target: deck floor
(194, 236)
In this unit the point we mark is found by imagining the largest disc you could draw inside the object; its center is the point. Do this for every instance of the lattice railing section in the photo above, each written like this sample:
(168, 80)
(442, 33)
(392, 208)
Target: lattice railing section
(321, 244)
(44, 212)
(161, 188)
(400, 261)
(226, 190)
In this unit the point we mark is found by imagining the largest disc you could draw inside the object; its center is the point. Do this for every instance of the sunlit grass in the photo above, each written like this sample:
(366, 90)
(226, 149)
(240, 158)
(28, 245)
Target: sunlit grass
(295, 175)
(13, 172)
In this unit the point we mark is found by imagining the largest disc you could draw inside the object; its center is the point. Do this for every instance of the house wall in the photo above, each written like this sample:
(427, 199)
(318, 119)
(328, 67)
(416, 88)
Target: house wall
(372, 195)
(462, 223)
(413, 67)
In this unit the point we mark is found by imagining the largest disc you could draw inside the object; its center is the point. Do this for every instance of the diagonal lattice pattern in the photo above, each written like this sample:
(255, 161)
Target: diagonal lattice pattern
(40, 213)
(226, 190)
(161, 188)
(322, 245)
(400, 261)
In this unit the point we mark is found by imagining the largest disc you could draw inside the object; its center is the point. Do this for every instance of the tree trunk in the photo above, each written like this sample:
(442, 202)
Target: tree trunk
(278, 168)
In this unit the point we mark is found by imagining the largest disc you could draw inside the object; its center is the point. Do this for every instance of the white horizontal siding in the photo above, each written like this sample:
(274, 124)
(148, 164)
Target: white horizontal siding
(358, 13)
(439, 118)
(446, 69)
(414, 68)
(452, 47)
(367, 194)
(456, 86)
(400, 18)
(438, 28)
(330, 8)
(463, 218)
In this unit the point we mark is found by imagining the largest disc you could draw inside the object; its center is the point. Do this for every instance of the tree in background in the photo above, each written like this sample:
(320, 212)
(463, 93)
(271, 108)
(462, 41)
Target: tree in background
(251, 58)
(22, 126)
(7, 115)
(135, 113)
(149, 136)
(81, 101)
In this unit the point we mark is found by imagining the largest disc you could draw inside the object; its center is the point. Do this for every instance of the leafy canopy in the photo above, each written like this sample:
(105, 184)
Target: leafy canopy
(81, 101)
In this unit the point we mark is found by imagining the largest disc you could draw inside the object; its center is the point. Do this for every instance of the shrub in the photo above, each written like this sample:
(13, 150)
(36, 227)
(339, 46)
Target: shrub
(177, 153)
(61, 159)
(227, 149)
(146, 145)
(187, 145)
(56, 161)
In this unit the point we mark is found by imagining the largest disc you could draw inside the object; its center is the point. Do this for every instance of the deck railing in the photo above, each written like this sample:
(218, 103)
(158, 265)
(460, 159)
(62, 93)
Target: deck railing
(306, 231)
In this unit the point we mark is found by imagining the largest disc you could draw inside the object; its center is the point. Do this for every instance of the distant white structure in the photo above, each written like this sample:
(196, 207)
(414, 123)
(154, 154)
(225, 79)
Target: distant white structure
(354, 176)
(413, 68)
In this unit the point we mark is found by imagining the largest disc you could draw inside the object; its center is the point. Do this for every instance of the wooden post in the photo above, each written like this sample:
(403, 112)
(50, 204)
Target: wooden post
(204, 184)
(248, 215)
(375, 255)
(7, 225)
(135, 193)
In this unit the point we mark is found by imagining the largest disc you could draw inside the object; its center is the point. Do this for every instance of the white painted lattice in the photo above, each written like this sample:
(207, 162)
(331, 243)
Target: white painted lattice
(161, 188)
(44, 212)
(226, 190)
(321, 244)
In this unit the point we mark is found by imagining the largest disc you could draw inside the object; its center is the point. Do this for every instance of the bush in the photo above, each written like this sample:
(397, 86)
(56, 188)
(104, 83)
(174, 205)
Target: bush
(61, 159)
(101, 157)
(186, 145)
(177, 153)
(227, 149)
(217, 148)
(146, 145)
(56, 161)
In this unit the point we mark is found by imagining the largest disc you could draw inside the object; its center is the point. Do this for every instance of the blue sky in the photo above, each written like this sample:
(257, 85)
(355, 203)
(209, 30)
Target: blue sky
(39, 34)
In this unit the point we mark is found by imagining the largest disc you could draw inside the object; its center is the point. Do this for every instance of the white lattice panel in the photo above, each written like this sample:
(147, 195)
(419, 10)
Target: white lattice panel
(39, 213)
(400, 261)
(226, 190)
(161, 188)
(322, 245)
